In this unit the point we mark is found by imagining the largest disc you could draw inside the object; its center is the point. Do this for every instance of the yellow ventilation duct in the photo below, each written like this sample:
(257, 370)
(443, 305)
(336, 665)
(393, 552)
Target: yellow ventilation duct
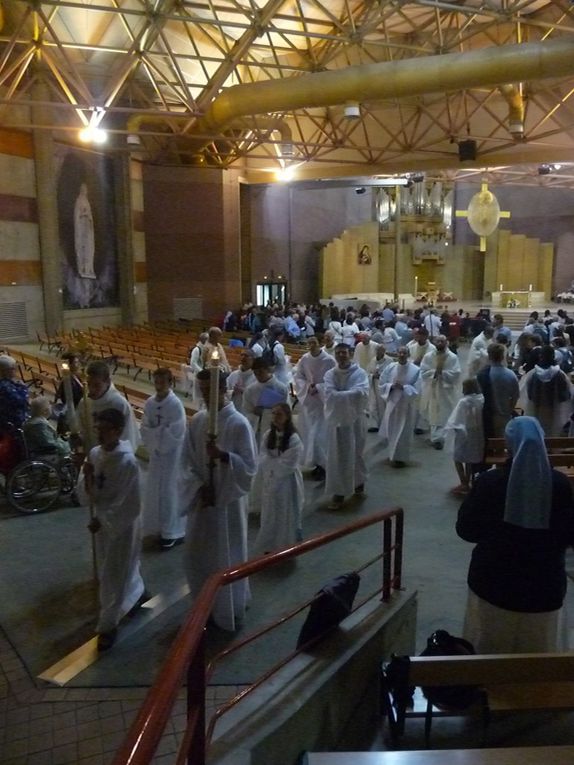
(493, 66)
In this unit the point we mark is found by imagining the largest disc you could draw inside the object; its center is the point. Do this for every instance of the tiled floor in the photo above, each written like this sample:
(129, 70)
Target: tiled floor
(56, 726)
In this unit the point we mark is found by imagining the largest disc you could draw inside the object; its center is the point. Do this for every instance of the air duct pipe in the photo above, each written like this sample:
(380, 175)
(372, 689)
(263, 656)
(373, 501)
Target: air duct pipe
(493, 66)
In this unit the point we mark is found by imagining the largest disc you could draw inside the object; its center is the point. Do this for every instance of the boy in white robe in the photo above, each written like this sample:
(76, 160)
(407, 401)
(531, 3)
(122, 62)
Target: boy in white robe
(346, 395)
(261, 396)
(309, 387)
(111, 482)
(102, 395)
(216, 535)
(163, 433)
(465, 430)
(400, 387)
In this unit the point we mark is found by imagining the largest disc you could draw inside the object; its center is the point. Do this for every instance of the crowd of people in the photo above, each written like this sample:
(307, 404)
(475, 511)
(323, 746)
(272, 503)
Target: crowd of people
(396, 374)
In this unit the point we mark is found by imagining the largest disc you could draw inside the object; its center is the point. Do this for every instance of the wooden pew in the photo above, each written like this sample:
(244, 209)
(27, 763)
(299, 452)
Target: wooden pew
(560, 451)
(505, 682)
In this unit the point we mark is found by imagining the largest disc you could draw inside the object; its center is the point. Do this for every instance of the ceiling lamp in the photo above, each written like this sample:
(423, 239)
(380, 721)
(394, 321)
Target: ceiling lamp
(91, 134)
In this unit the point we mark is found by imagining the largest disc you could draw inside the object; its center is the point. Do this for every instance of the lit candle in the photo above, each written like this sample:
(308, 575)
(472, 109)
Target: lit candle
(529, 288)
(500, 287)
(416, 285)
(213, 395)
(69, 398)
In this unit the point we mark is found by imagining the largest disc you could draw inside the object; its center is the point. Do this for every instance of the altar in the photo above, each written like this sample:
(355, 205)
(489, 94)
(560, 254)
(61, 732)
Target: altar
(518, 299)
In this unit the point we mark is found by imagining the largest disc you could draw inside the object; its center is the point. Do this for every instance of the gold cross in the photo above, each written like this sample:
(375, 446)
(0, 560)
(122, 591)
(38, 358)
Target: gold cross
(464, 214)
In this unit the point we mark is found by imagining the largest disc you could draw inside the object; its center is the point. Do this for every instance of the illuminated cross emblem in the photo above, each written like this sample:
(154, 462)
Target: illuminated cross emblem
(483, 214)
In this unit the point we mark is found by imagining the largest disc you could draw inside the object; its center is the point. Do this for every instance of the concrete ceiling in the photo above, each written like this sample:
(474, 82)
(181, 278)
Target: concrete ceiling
(161, 64)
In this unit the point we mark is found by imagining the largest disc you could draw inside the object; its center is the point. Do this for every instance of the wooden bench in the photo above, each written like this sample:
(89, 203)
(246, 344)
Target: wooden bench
(560, 451)
(505, 682)
(522, 755)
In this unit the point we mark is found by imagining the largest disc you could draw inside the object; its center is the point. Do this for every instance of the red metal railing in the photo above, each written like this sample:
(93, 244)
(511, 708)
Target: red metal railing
(186, 657)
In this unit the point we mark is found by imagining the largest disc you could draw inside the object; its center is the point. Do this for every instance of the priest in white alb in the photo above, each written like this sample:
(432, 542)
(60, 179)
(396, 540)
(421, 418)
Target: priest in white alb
(346, 396)
(440, 372)
(400, 386)
(216, 498)
(309, 386)
(163, 433)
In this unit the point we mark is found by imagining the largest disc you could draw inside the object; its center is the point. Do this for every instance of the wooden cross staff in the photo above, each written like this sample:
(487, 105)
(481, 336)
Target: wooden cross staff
(464, 214)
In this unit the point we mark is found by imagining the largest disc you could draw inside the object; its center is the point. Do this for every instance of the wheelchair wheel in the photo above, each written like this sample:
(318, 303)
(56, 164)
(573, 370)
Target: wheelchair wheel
(33, 486)
(68, 476)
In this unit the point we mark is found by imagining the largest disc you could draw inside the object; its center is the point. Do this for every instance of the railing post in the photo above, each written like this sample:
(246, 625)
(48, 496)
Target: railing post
(398, 556)
(196, 703)
(387, 546)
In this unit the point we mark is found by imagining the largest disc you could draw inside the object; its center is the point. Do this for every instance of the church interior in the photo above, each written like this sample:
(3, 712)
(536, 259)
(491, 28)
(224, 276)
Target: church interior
(223, 153)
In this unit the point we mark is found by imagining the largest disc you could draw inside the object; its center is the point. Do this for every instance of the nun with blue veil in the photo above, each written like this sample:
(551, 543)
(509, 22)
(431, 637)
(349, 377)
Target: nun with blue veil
(521, 519)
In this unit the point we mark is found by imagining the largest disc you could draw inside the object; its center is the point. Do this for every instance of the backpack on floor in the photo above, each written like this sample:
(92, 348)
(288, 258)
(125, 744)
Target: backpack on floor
(456, 697)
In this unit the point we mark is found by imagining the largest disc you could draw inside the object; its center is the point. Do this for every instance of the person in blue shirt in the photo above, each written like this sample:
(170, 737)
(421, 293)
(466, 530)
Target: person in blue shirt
(13, 395)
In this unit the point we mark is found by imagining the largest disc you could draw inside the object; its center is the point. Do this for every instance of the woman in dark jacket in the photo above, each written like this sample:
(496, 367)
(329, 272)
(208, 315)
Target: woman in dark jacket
(521, 517)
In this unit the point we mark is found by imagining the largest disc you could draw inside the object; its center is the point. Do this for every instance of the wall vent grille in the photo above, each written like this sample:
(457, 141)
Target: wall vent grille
(13, 322)
(187, 308)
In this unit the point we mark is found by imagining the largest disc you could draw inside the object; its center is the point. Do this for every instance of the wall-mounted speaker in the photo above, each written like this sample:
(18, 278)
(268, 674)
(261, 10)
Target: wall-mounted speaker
(467, 150)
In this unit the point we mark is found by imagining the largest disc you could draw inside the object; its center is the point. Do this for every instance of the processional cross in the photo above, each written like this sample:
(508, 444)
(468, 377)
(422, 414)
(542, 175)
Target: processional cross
(483, 214)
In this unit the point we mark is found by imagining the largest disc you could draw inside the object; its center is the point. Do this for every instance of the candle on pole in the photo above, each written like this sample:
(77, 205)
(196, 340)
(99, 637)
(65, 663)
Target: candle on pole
(416, 286)
(213, 394)
(71, 418)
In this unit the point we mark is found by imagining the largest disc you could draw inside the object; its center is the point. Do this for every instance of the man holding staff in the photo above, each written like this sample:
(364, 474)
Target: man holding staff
(219, 466)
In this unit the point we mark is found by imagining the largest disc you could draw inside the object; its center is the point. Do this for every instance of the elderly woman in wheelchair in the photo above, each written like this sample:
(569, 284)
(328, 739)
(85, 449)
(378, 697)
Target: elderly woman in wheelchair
(36, 462)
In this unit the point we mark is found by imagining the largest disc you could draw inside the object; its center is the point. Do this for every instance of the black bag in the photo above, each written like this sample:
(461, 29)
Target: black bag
(333, 603)
(268, 354)
(456, 697)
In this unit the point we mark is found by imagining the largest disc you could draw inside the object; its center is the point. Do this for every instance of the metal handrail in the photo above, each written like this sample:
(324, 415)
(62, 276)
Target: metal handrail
(186, 657)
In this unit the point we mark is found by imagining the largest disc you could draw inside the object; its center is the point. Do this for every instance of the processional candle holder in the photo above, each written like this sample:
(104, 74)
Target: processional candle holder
(213, 412)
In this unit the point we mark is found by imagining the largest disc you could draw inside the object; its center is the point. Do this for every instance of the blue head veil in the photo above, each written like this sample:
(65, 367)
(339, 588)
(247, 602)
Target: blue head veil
(529, 490)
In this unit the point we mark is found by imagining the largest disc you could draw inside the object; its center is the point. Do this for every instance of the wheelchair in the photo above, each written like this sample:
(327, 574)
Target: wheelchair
(33, 482)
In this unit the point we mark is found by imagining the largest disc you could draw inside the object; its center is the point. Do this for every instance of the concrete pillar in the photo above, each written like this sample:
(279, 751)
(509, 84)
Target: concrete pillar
(47, 215)
(124, 238)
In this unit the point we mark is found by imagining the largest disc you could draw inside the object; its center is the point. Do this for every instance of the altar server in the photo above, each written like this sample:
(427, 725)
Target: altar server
(346, 395)
(163, 434)
(111, 483)
(216, 478)
(309, 387)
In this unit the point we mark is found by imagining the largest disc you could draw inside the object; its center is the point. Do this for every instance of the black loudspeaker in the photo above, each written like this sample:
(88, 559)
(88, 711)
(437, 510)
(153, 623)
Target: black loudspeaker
(467, 150)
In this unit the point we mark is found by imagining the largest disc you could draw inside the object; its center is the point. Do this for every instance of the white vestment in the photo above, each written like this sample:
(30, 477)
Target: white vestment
(364, 354)
(216, 537)
(312, 426)
(282, 496)
(400, 408)
(478, 355)
(441, 375)
(163, 433)
(237, 382)
(116, 498)
(346, 395)
(465, 430)
(264, 395)
(376, 402)
(111, 399)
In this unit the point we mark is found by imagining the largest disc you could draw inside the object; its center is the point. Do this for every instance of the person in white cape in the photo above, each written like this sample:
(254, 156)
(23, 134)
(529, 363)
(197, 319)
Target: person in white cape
(282, 493)
(346, 396)
(400, 385)
(440, 371)
(163, 433)
(309, 387)
(478, 352)
(216, 535)
(110, 480)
